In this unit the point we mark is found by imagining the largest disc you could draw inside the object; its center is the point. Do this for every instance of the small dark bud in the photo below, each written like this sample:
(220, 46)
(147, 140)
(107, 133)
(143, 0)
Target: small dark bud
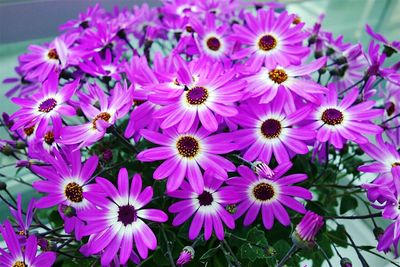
(231, 208)
(107, 155)
(359, 151)
(7, 150)
(334, 72)
(322, 70)
(3, 186)
(121, 34)
(312, 39)
(378, 232)
(68, 211)
(346, 262)
(20, 145)
(388, 51)
(318, 54)
(330, 51)
(341, 60)
(84, 24)
(46, 245)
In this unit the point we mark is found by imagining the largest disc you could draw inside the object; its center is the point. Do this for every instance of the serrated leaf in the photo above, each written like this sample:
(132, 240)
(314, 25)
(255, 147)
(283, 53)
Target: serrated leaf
(251, 252)
(257, 236)
(348, 203)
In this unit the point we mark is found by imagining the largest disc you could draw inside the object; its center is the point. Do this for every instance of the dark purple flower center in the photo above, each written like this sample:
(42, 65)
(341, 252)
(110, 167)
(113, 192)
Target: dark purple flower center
(29, 131)
(101, 116)
(271, 128)
(47, 105)
(74, 192)
(127, 214)
(332, 116)
(187, 146)
(49, 138)
(52, 54)
(278, 76)
(19, 264)
(213, 43)
(205, 199)
(296, 20)
(189, 29)
(267, 42)
(263, 191)
(197, 95)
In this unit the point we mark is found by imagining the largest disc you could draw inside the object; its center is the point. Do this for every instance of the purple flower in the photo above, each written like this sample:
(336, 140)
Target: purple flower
(309, 226)
(115, 222)
(111, 108)
(105, 68)
(385, 154)
(186, 256)
(269, 82)
(268, 130)
(44, 106)
(337, 123)
(184, 153)
(66, 182)
(269, 196)
(211, 38)
(22, 256)
(208, 90)
(23, 223)
(395, 45)
(270, 39)
(208, 207)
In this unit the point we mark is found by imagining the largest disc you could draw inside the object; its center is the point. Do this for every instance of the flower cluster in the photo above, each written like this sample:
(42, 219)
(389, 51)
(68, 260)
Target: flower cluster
(211, 106)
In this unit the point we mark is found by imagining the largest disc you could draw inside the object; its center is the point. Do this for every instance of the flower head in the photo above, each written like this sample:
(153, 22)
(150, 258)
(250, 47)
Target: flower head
(22, 256)
(186, 256)
(207, 208)
(115, 223)
(269, 196)
(307, 229)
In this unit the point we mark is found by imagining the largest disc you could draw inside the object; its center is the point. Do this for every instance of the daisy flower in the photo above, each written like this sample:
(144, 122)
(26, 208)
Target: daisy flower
(211, 39)
(268, 196)
(65, 182)
(111, 108)
(47, 104)
(209, 90)
(21, 256)
(115, 223)
(267, 83)
(23, 223)
(385, 155)
(267, 131)
(390, 47)
(337, 123)
(207, 208)
(270, 39)
(185, 153)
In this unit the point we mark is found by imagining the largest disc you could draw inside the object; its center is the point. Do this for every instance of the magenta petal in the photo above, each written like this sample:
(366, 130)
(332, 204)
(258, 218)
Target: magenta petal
(196, 225)
(153, 215)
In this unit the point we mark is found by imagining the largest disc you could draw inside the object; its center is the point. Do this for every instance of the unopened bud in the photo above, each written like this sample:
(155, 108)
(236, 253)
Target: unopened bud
(7, 149)
(341, 60)
(232, 208)
(187, 255)
(3, 186)
(20, 145)
(262, 169)
(388, 51)
(107, 155)
(378, 232)
(68, 211)
(318, 54)
(330, 51)
(346, 262)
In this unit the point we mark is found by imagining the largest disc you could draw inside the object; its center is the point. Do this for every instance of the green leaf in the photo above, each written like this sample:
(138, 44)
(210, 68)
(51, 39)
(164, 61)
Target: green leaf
(281, 247)
(251, 252)
(348, 203)
(211, 252)
(55, 219)
(256, 236)
(339, 236)
(160, 259)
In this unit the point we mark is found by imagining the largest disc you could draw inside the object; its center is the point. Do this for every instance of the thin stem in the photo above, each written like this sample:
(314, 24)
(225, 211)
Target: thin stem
(351, 86)
(8, 203)
(123, 139)
(395, 116)
(11, 196)
(325, 256)
(289, 254)
(171, 259)
(360, 256)
(367, 216)
(232, 254)
(337, 251)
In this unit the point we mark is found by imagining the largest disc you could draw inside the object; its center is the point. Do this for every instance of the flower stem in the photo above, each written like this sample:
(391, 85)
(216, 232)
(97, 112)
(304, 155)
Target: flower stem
(289, 254)
(367, 216)
(171, 259)
(237, 263)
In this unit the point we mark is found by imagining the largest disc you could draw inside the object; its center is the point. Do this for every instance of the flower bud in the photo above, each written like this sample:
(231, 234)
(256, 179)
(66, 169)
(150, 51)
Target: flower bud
(388, 51)
(378, 232)
(187, 254)
(318, 54)
(107, 155)
(262, 170)
(232, 208)
(6, 149)
(305, 232)
(68, 211)
(20, 145)
(346, 262)
(3, 186)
